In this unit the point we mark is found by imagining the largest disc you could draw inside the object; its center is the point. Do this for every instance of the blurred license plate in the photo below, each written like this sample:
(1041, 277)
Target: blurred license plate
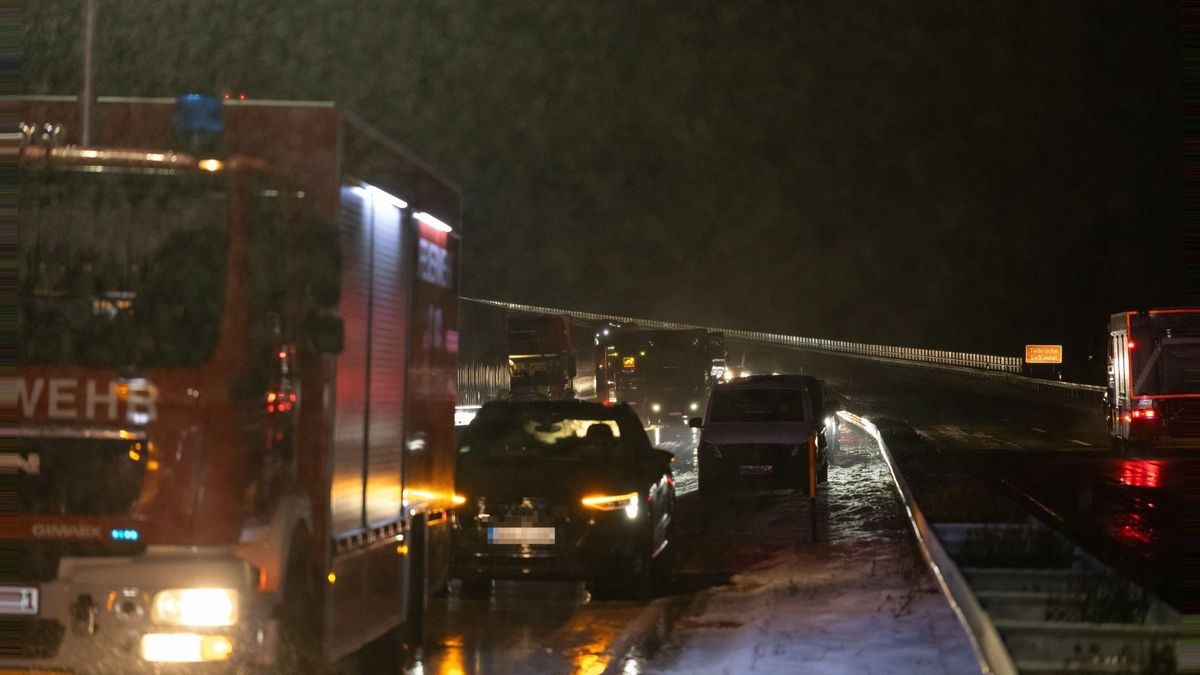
(520, 535)
(21, 600)
(756, 469)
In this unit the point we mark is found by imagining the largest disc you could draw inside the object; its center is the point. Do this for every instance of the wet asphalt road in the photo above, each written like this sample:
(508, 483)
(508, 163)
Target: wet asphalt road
(1052, 453)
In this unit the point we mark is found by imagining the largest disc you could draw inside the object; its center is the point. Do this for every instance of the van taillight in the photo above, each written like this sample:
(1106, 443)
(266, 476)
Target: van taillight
(1143, 409)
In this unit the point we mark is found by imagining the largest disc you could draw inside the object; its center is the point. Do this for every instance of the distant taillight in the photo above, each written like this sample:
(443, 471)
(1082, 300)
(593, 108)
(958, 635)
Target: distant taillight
(280, 401)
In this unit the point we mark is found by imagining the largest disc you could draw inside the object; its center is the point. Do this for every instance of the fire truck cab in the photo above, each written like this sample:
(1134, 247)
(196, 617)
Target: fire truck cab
(234, 392)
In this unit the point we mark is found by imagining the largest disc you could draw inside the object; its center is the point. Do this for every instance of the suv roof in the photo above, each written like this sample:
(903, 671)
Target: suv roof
(586, 409)
(772, 382)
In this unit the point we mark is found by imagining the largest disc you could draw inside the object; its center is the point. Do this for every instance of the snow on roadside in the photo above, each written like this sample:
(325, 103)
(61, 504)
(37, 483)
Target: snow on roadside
(859, 601)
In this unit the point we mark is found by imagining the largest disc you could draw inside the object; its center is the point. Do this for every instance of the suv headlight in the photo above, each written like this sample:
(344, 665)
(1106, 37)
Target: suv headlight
(195, 607)
(627, 501)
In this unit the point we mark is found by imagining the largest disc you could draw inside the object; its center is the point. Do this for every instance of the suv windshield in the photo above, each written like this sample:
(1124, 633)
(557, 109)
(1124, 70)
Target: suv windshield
(758, 405)
(538, 434)
(119, 269)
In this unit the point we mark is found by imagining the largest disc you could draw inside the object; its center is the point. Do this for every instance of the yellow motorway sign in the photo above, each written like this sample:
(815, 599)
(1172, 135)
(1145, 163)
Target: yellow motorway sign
(1043, 353)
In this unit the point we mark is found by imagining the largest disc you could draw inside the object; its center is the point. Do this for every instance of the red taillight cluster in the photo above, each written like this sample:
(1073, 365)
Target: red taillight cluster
(1147, 414)
(280, 401)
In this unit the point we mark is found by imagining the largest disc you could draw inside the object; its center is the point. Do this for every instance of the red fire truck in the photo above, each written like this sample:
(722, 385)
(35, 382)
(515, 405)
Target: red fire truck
(1153, 393)
(234, 392)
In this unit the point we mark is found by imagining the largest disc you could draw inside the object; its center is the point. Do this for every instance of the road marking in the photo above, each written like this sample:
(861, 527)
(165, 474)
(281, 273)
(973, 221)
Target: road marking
(1084, 443)
(1040, 431)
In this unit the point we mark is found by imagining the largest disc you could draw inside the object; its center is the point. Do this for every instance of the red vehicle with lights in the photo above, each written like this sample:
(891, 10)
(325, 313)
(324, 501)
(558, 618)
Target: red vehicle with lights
(232, 444)
(1153, 394)
(662, 373)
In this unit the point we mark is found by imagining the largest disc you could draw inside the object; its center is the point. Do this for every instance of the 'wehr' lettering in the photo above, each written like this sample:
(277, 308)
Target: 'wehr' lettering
(65, 398)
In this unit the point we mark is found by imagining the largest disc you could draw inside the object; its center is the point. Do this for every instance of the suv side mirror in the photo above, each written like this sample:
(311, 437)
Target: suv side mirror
(328, 334)
(696, 423)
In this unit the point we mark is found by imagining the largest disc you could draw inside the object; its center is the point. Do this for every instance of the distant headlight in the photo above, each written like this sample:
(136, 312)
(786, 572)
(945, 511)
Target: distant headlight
(694, 407)
(627, 501)
(197, 607)
(655, 407)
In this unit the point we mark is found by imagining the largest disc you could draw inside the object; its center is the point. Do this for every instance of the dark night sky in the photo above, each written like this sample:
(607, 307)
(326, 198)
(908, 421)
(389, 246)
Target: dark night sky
(958, 175)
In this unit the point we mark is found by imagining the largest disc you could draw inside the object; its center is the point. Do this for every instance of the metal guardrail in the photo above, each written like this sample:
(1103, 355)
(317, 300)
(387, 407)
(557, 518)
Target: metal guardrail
(1002, 368)
(990, 650)
(1041, 615)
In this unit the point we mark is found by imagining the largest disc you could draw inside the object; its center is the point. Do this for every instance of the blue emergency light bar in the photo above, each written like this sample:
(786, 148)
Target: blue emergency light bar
(125, 535)
(198, 114)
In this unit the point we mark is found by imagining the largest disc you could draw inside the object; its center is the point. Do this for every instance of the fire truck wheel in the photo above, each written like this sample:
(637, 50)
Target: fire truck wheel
(413, 636)
(300, 617)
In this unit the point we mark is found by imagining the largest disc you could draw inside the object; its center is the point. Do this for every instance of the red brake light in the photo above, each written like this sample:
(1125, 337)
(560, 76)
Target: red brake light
(1131, 344)
(1147, 414)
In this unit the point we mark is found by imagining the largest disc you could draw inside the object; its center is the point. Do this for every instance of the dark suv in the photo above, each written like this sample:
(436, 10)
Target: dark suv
(563, 489)
(758, 430)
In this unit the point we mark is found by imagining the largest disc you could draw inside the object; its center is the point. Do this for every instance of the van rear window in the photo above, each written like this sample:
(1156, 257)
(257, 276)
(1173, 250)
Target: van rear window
(759, 405)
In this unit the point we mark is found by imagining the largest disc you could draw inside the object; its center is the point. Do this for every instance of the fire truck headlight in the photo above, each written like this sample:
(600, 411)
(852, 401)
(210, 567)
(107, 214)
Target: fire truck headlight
(195, 607)
(185, 647)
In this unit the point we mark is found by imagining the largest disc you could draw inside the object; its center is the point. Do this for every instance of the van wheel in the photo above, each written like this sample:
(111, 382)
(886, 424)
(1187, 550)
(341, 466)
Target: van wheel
(707, 480)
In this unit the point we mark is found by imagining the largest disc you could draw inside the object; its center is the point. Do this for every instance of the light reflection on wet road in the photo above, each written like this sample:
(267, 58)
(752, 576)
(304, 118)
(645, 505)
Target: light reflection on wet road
(524, 627)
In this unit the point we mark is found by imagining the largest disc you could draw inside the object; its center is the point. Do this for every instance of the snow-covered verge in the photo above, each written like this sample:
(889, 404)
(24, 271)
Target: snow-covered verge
(858, 601)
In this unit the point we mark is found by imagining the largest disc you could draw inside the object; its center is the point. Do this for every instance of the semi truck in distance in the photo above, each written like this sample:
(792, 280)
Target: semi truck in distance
(1153, 391)
(234, 389)
(664, 374)
(540, 356)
